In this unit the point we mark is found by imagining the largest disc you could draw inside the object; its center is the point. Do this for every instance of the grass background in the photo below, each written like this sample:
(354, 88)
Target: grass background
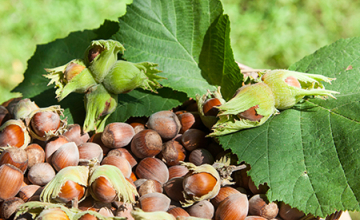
(264, 33)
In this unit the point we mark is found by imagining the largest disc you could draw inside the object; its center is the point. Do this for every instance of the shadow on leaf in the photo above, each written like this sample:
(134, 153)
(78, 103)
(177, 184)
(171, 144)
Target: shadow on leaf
(73, 105)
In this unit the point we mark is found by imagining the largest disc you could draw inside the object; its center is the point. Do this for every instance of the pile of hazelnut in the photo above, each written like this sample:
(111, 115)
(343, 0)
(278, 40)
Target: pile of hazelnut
(166, 157)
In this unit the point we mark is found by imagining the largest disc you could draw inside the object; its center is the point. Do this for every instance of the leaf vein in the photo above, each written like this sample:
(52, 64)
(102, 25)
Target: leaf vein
(342, 167)
(330, 110)
(308, 173)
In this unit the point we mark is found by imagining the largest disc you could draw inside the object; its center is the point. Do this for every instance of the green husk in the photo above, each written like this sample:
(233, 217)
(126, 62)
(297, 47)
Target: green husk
(79, 83)
(230, 124)
(126, 76)
(102, 64)
(35, 208)
(208, 121)
(286, 96)
(23, 109)
(247, 96)
(102, 77)
(99, 104)
(139, 214)
(78, 174)
(125, 191)
(150, 71)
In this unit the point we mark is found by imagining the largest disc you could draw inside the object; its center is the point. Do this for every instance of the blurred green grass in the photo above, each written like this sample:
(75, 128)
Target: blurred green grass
(277, 33)
(264, 33)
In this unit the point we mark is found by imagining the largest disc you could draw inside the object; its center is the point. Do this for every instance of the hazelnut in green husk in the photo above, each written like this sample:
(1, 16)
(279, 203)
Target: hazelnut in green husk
(45, 123)
(251, 106)
(69, 184)
(108, 184)
(125, 76)
(100, 57)
(14, 133)
(289, 87)
(102, 77)
(200, 183)
(99, 104)
(207, 107)
(71, 77)
(51, 211)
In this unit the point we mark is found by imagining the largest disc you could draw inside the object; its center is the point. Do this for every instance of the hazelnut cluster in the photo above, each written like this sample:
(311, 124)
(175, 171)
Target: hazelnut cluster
(101, 77)
(255, 102)
(161, 167)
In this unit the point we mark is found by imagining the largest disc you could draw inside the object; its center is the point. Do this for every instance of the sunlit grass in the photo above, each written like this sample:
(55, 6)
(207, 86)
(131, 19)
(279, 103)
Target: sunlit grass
(277, 33)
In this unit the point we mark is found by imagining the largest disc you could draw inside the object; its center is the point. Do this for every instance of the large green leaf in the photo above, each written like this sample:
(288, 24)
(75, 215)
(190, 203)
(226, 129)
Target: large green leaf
(309, 155)
(180, 35)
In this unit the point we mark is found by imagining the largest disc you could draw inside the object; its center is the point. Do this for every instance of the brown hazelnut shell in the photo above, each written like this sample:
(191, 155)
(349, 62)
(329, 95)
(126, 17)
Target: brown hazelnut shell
(10, 176)
(35, 153)
(146, 143)
(259, 205)
(123, 152)
(117, 134)
(41, 173)
(120, 162)
(16, 157)
(235, 206)
(152, 202)
(152, 168)
(166, 123)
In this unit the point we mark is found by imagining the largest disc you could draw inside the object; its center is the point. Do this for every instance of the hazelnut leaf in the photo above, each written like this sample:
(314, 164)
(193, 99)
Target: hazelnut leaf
(193, 53)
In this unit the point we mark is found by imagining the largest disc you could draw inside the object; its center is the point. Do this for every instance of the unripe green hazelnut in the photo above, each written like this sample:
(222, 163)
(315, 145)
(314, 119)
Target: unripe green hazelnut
(101, 56)
(289, 87)
(251, 106)
(207, 106)
(71, 77)
(99, 104)
(125, 76)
